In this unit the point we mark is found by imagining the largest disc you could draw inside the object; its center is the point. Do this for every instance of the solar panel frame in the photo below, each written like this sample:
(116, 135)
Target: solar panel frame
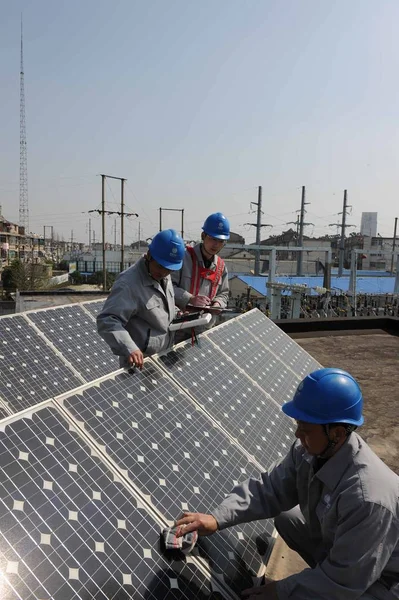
(61, 508)
(184, 482)
(77, 340)
(32, 370)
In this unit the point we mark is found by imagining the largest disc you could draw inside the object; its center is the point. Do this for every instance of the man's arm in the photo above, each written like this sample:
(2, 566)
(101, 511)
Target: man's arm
(118, 309)
(179, 278)
(222, 295)
(364, 542)
(274, 492)
(263, 498)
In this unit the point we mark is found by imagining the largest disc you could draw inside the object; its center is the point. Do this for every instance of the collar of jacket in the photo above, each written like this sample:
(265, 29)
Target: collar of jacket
(146, 277)
(331, 473)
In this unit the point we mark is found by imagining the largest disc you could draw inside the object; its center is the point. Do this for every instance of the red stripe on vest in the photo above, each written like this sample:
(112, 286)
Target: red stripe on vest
(198, 273)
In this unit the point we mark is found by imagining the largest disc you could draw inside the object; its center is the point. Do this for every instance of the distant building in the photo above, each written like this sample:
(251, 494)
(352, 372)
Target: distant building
(368, 225)
(14, 243)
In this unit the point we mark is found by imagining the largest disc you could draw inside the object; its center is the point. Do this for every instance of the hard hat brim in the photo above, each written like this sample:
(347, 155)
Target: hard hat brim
(168, 265)
(217, 236)
(291, 410)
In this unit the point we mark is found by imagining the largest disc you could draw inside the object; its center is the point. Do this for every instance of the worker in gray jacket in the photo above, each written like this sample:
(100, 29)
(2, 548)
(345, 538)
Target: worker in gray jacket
(334, 501)
(137, 314)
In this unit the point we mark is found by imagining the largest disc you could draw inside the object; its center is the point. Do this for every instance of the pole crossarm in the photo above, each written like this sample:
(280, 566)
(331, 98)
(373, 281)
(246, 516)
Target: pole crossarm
(113, 212)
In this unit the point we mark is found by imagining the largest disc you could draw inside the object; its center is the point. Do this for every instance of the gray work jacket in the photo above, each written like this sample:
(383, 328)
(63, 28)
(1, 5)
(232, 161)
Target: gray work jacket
(137, 313)
(182, 281)
(351, 506)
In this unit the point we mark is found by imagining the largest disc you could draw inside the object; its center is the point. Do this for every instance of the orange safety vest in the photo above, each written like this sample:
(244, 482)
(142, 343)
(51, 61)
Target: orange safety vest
(199, 273)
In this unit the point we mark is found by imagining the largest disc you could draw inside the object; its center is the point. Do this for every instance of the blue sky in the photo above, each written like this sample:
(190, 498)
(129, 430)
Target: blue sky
(198, 103)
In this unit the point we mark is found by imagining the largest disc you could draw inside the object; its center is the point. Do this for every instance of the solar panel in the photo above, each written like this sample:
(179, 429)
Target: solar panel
(74, 334)
(233, 399)
(94, 307)
(70, 530)
(173, 454)
(30, 370)
(278, 380)
(279, 342)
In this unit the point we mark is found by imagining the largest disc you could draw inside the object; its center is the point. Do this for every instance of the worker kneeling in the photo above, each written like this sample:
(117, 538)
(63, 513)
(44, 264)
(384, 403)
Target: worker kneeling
(334, 501)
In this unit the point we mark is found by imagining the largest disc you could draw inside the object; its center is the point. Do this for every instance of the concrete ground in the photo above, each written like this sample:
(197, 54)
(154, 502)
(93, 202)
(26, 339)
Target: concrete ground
(374, 360)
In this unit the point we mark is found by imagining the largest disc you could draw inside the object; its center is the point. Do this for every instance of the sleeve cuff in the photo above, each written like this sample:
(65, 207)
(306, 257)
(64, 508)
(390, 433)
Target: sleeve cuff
(222, 517)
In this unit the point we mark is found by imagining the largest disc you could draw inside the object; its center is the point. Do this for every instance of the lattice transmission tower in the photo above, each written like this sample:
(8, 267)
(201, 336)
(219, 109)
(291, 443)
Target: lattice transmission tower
(23, 158)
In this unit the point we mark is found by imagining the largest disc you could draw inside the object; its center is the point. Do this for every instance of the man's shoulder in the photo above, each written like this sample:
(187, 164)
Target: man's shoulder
(132, 273)
(376, 482)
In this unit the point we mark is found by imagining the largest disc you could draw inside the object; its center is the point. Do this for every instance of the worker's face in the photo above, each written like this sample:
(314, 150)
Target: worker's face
(212, 245)
(156, 270)
(313, 437)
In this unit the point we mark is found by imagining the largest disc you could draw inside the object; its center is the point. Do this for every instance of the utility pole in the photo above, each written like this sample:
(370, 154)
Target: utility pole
(258, 226)
(71, 241)
(180, 210)
(296, 223)
(301, 226)
(343, 226)
(89, 235)
(51, 238)
(342, 241)
(104, 212)
(114, 234)
(122, 225)
(394, 243)
(103, 229)
(139, 236)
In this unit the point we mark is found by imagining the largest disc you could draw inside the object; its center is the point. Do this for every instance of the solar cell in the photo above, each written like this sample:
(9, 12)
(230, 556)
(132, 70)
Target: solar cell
(172, 452)
(30, 370)
(94, 307)
(70, 530)
(278, 380)
(279, 343)
(244, 410)
(74, 334)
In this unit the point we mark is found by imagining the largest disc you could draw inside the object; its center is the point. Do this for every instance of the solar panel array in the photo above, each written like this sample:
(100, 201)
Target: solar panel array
(87, 480)
(73, 332)
(30, 369)
(233, 399)
(70, 530)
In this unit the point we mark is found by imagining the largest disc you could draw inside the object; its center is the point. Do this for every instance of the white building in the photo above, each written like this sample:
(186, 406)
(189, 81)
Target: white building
(368, 225)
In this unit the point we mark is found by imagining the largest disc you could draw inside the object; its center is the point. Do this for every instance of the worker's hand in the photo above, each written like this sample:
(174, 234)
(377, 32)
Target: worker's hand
(136, 359)
(264, 592)
(216, 304)
(200, 301)
(204, 524)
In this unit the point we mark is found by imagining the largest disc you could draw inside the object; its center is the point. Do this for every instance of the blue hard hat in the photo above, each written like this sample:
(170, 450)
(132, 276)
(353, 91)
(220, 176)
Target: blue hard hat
(217, 226)
(327, 396)
(167, 248)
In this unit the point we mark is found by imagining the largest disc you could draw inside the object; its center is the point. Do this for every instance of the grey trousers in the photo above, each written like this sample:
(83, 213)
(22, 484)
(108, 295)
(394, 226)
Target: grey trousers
(292, 527)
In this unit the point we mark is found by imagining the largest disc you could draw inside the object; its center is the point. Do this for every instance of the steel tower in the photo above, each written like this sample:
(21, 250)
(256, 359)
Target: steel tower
(23, 162)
